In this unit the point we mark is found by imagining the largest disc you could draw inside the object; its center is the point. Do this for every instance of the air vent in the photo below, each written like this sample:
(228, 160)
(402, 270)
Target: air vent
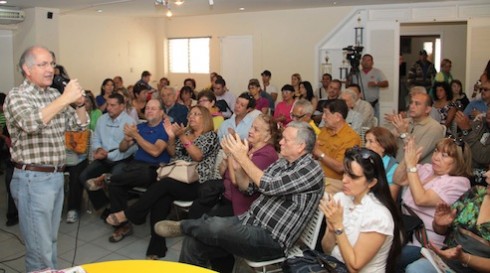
(11, 16)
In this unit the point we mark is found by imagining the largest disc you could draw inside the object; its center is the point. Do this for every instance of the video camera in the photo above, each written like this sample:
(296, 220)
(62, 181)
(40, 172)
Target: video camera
(354, 54)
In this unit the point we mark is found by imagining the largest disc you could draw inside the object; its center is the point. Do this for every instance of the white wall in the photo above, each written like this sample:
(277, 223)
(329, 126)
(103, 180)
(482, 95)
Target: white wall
(284, 41)
(93, 48)
(7, 64)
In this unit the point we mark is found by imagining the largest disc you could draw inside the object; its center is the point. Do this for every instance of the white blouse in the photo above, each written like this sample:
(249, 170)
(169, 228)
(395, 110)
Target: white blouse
(368, 216)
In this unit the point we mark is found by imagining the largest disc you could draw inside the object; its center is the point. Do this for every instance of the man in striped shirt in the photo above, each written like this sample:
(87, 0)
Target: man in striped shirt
(37, 118)
(291, 190)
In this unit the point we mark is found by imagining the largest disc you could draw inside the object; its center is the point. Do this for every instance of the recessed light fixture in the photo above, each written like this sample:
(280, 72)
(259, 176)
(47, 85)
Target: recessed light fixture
(169, 13)
(3, 2)
(99, 10)
(242, 9)
(179, 2)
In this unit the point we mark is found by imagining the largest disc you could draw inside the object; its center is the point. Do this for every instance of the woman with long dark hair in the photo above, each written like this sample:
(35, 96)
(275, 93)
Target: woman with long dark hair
(363, 222)
(306, 92)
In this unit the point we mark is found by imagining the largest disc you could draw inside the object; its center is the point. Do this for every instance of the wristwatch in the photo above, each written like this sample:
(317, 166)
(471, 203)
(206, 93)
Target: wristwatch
(412, 169)
(339, 231)
(403, 135)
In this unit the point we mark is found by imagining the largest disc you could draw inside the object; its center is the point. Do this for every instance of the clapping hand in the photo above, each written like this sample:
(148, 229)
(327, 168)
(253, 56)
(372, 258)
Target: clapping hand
(444, 215)
(130, 130)
(400, 123)
(412, 153)
(167, 125)
(333, 211)
(234, 145)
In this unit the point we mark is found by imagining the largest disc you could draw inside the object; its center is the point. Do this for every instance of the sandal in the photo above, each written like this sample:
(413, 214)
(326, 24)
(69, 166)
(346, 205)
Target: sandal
(121, 232)
(152, 257)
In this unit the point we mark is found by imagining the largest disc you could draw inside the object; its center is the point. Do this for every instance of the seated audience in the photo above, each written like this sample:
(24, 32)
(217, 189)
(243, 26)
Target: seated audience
(419, 125)
(151, 139)
(105, 148)
(354, 119)
(222, 93)
(106, 90)
(333, 92)
(295, 81)
(130, 110)
(363, 222)
(140, 93)
(479, 106)
(272, 224)
(334, 139)
(196, 143)
(186, 97)
(241, 121)
(306, 92)
(477, 135)
(238, 193)
(175, 112)
(261, 103)
(283, 108)
(467, 218)
(459, 97)
(362, 106)
(118, 82)
(383, 142)
(207, 99)
(445, 179)
(443, 103)
(302, 111)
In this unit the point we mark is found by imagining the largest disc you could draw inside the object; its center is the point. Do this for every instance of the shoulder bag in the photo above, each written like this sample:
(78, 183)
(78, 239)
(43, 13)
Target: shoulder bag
(180, 170)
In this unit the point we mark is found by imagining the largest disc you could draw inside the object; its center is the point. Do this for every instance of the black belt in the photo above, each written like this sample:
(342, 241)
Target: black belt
(39, 168)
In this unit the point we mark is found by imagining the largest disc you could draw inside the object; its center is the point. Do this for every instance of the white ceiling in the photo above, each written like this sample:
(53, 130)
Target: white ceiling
(147, 8)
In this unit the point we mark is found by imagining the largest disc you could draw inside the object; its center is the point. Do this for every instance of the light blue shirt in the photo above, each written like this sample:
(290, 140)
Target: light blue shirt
(390, 172)
(479, 105)
(109, 133)
(241, 128)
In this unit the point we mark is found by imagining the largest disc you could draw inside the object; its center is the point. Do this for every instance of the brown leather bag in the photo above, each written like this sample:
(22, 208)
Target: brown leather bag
(77, 141)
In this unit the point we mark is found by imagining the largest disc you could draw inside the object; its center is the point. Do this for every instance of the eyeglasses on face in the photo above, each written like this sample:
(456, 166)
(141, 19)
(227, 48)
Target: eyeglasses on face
(203, 100)
(293, 116)
(484, 89)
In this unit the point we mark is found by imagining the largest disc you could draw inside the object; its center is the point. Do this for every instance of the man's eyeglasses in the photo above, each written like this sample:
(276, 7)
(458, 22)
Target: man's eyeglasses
(483, 89)
(203, 100)
(45, 65)
(293, 116)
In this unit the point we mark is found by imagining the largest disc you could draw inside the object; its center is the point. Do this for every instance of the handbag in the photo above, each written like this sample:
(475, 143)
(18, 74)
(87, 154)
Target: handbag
(412, 224)
(77, 141)
(180, 170)
(313, 261)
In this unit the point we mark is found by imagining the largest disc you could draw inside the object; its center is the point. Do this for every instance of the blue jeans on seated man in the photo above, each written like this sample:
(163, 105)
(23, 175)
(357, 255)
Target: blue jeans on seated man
(39, 199)
(422, 265)
(214, 237)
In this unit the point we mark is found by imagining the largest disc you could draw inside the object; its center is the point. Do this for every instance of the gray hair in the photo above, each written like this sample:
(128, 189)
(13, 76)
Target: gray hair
(28, 57)
(417, 90)
(305, 105)
(171, 89)
(305, 134)
(351, 93)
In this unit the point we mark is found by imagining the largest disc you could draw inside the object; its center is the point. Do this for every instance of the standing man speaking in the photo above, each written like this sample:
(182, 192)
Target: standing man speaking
(37, 118)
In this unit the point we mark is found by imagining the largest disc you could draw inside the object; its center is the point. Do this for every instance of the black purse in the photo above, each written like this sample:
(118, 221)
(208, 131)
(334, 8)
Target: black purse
(412, 224)
(313, 261)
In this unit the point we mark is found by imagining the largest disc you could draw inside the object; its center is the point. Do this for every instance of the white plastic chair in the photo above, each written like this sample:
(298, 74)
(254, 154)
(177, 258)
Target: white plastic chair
(309, 237)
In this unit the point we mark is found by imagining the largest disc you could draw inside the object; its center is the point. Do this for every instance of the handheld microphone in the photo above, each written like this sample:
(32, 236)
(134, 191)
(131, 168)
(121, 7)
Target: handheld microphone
(63, 82)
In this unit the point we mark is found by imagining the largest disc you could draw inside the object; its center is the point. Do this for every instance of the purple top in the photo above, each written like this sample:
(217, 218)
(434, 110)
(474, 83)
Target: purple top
(261, 103)
(262, 158)
(448, 188)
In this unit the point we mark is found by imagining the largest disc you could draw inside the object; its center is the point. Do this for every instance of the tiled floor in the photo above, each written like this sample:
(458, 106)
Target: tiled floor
(93, 244)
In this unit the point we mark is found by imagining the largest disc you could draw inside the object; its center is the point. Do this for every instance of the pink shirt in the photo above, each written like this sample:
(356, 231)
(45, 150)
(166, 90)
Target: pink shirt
(448, 188)
(283, 109)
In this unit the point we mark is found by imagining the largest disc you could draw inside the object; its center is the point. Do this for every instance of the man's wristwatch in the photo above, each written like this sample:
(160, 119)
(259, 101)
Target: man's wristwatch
(412, 169)
(403, 135)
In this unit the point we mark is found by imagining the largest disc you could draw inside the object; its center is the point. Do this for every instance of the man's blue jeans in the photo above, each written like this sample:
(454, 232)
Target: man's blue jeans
(39, 199)
(214, 237)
